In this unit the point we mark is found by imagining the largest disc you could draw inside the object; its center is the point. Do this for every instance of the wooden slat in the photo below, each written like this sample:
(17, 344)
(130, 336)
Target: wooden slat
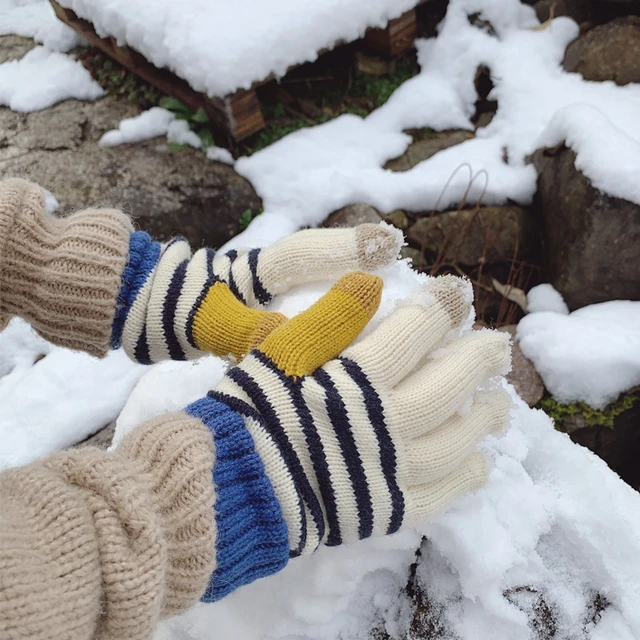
(396, 37)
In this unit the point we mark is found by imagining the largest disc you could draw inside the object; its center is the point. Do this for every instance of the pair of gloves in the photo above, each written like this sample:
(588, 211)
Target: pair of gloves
(311, 439)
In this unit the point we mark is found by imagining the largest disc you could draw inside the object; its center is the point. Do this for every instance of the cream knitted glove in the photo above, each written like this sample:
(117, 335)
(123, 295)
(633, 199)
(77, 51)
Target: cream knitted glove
(359, 446)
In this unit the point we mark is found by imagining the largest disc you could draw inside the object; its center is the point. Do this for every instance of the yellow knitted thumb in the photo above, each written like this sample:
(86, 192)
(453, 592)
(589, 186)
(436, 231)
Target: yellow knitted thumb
(223, 325)
(321, 332)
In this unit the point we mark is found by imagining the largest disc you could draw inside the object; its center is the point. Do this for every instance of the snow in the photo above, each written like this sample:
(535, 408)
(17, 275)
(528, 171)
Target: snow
(348, 153)
(149, 124)
(42, 78)
(545, 297)
(532, 532)
(554, 524)
(36, 19)
(219, 47)
(590, 355)
(52, 398)
(158, 122)
(587, 131)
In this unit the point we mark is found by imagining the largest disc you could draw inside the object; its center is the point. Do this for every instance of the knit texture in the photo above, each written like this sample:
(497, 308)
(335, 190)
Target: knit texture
(60, 274)
(252, 539)
(371, 440)
(175, 305)
(102, 545)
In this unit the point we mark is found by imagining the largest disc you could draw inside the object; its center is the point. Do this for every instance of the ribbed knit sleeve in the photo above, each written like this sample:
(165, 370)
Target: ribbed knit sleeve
(63, 275)
(101, 545)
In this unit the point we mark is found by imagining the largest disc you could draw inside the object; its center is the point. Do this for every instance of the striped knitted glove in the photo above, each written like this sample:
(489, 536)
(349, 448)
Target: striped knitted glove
(357, 447)
(174, 306)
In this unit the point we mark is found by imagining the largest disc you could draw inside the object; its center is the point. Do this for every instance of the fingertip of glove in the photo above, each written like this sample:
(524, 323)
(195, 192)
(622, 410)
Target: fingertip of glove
(377, 244)
(364, 288)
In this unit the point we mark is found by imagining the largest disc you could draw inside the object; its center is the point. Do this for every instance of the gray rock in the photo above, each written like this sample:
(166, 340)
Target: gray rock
(167, 193)
(592, 240)
(353, 215)
(398, 219)
(14, 47)
(523, 375)
(617, 445)
(101, 439)
(578, 10)
(609, 51)
(469, 237)
(413, 254)
(423, 149)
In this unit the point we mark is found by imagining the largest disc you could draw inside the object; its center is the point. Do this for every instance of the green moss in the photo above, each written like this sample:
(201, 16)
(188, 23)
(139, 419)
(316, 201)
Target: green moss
(592, 417)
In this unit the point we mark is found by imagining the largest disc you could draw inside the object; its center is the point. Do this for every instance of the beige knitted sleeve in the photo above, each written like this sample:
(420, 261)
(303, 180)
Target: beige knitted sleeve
(63, 275)
(97, 545)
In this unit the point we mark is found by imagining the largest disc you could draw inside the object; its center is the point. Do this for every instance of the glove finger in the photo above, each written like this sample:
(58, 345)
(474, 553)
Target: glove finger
(318, 254)
(425, 500)
(426, 398)
(443, 450)
(402, 340)
(224, 326)
(320, 333)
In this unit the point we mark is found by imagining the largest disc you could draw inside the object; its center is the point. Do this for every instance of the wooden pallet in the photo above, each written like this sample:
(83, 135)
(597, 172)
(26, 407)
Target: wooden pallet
(238, 115)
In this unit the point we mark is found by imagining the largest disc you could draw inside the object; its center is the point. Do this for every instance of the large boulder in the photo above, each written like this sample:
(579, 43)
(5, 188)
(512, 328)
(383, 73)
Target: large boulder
(591, 239)
(469, 237)
(167, 193)
(609, 51)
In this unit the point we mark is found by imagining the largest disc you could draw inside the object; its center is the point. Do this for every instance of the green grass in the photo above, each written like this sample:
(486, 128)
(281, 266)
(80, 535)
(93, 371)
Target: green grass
(359, 96)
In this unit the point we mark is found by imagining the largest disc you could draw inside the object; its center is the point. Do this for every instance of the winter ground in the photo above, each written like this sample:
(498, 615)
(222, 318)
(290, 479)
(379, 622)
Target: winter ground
(555, 530)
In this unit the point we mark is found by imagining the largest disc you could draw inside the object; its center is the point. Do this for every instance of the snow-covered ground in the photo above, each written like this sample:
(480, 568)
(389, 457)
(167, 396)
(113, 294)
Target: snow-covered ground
(554, 524)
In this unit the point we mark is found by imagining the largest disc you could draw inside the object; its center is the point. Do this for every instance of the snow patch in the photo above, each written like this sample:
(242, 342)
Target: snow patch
(545, 298)
(591, 355)
(36, 19)
(52, 398)
(42, 78)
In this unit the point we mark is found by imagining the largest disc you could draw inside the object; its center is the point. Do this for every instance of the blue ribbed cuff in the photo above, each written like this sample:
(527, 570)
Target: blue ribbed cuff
(252, 540)
(144, 253)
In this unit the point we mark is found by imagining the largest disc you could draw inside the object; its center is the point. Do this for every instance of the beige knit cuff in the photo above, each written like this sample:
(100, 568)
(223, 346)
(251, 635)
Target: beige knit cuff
(63, 275)
(102, 545)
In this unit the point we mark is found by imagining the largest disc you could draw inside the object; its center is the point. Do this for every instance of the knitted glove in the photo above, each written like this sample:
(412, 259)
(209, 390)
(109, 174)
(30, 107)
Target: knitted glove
(176, 306)
(359, 446)
(101, 545)
(89, 282)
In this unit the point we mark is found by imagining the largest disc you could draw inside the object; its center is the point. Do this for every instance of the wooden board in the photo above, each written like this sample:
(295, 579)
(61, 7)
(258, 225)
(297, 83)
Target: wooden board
(238, 115)
(396, 38)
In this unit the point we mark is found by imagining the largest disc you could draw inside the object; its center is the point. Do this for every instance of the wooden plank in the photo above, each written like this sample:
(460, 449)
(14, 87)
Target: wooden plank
(396, 37)
(232, 118)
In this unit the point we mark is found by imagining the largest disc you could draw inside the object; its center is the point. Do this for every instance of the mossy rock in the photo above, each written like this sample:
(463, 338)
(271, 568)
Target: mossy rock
(613, 433)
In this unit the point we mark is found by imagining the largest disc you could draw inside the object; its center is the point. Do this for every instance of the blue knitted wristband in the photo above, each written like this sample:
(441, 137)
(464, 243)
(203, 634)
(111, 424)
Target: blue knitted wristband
(252, 539)
(144, 253)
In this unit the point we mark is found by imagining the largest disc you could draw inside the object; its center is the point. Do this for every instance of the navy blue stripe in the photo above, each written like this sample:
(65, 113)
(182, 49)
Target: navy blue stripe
(232, 255)
(169, 312)
(141, 352)
(260, 293)
(275, 429)
(388, 454)
(339, 420)
(314, 444)
(211, 280)
(248, 411)
(144, 254)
